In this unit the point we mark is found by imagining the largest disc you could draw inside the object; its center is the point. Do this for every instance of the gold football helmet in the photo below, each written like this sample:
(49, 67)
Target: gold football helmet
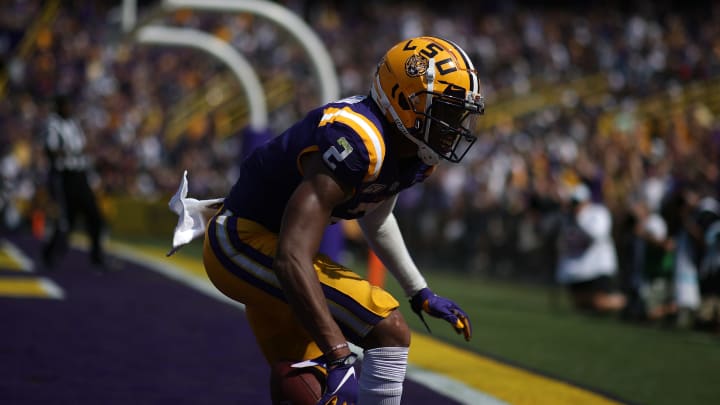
(429, 88)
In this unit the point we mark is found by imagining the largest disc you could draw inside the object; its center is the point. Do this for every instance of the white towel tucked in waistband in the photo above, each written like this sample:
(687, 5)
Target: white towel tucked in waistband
(191, 215)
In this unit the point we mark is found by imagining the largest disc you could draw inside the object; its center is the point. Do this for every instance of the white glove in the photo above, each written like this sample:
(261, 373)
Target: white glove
(191, 213)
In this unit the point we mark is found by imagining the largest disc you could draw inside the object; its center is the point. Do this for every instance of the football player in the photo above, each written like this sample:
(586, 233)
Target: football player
(344, 160)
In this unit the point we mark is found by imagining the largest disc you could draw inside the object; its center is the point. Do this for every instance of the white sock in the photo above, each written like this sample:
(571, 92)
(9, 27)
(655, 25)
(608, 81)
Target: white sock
(382, 375)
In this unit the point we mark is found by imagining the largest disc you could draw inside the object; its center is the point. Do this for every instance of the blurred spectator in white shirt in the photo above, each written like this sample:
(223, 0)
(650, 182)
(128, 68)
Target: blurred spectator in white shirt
(587, 259)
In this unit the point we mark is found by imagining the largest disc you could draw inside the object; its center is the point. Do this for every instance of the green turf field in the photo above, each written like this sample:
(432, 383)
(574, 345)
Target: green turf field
(533, 327)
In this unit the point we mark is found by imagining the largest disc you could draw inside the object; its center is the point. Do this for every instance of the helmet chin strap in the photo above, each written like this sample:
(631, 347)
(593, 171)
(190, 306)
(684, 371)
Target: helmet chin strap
(427, 155)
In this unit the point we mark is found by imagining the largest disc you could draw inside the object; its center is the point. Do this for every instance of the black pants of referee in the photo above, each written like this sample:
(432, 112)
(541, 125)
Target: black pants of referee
(74, 198)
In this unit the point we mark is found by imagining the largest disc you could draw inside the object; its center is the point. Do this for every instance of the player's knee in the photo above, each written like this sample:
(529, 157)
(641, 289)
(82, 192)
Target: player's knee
(392, 331)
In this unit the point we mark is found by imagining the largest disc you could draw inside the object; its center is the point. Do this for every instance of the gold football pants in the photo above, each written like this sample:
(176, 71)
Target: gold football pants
(238, 255)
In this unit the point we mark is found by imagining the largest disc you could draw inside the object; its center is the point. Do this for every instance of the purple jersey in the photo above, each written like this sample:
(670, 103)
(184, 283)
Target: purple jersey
(350, 135)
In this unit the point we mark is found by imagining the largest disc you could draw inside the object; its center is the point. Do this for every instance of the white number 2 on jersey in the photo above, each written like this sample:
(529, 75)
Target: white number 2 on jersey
(335, 153)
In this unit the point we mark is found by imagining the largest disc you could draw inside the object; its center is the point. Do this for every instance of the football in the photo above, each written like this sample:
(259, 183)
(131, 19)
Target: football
(295, 386)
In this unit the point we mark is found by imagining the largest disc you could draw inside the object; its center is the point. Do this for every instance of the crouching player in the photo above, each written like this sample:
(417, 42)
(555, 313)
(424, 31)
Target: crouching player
(344, 160)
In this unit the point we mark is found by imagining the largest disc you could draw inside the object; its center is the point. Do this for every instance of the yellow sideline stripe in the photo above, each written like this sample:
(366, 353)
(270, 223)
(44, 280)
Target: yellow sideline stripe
(7, 262)
(11, 258)
(190, 265)
(29, 288)
(507, 383)
(504, 382)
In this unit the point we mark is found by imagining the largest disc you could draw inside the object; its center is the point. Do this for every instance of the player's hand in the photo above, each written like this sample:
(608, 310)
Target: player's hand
(439, 307)
(342, 384)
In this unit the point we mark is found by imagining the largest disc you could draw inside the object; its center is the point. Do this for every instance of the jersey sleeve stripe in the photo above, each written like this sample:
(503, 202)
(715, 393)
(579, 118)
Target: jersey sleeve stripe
(370, 135)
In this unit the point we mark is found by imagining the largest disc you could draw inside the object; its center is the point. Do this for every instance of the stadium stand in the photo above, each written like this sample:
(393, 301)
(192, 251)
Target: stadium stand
(623, 98)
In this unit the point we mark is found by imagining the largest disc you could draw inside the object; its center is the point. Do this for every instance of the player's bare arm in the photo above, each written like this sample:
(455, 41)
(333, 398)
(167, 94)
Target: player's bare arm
(303, 225)
(383, 234)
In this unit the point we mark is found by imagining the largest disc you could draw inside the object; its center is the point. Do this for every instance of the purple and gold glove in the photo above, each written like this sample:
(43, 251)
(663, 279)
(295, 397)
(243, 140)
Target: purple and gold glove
(439, 307)
(341, 384)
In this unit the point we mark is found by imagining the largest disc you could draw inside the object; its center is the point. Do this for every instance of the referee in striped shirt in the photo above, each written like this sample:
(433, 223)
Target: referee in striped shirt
(64, 143)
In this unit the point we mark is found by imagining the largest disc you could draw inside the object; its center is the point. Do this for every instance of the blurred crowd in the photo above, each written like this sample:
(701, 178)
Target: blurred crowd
(498, 212)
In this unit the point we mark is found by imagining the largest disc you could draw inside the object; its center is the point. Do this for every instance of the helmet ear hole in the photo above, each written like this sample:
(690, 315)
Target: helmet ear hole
(403, 102)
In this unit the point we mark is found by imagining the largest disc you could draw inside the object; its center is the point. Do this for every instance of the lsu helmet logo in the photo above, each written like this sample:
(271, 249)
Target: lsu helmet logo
(416, 65)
